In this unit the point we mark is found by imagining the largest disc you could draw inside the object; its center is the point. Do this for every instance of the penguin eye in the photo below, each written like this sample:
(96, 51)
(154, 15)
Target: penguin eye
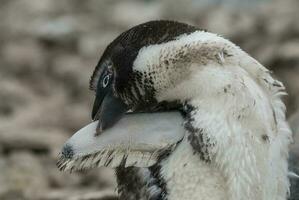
(106, 80)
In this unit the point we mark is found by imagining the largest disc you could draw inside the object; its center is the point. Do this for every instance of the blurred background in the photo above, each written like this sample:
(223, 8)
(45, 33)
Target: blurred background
(48, 50)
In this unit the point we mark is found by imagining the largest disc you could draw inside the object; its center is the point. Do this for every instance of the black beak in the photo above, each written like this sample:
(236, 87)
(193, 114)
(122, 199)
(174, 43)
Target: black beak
(108, 109)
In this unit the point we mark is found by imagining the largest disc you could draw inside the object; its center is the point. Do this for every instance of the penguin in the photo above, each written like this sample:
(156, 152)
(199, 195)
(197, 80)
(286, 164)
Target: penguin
(183, 113)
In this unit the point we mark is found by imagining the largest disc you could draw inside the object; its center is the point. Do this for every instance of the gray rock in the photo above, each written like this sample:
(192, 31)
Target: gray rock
(80, 195)
(35, 141)
(24, 177)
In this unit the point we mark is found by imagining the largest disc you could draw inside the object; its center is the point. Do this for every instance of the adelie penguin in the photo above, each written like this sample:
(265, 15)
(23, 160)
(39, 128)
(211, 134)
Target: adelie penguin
(182, 113)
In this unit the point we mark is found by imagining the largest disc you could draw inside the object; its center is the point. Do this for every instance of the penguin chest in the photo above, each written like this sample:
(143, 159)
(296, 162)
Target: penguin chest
(189, 177)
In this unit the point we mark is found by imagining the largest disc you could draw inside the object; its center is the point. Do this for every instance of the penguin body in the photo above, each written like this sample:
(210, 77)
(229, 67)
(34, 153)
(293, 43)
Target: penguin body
(234, 139)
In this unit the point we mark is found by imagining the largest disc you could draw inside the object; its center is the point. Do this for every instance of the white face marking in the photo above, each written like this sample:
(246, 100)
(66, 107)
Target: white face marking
(171, 63)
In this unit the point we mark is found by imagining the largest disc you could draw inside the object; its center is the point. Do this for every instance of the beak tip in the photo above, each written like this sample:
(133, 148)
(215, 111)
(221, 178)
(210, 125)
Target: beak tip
(99, 129)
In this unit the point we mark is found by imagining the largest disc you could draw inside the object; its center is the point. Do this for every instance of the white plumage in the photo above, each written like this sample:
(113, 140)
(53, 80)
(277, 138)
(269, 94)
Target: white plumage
(238, 109)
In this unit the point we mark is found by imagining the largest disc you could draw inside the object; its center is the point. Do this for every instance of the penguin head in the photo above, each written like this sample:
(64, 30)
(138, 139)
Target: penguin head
(133, 71)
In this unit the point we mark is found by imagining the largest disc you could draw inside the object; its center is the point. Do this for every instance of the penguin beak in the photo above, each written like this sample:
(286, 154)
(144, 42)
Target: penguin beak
(108, 109)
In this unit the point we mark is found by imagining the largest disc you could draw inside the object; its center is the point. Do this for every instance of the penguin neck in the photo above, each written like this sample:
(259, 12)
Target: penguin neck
(190, 171)
(226, 152)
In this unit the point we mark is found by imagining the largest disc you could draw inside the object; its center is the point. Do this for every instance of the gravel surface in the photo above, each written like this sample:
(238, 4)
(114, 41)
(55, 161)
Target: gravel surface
(48, 50)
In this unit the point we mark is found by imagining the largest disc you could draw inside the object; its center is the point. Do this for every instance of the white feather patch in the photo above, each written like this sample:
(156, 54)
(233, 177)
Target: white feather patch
(136, 140)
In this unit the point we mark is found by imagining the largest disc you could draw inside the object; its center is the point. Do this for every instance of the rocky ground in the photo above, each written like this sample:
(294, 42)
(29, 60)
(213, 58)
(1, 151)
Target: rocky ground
(48, 50)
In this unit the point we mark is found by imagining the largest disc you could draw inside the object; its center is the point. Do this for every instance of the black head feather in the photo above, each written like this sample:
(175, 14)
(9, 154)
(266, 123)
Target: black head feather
(123, 50)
